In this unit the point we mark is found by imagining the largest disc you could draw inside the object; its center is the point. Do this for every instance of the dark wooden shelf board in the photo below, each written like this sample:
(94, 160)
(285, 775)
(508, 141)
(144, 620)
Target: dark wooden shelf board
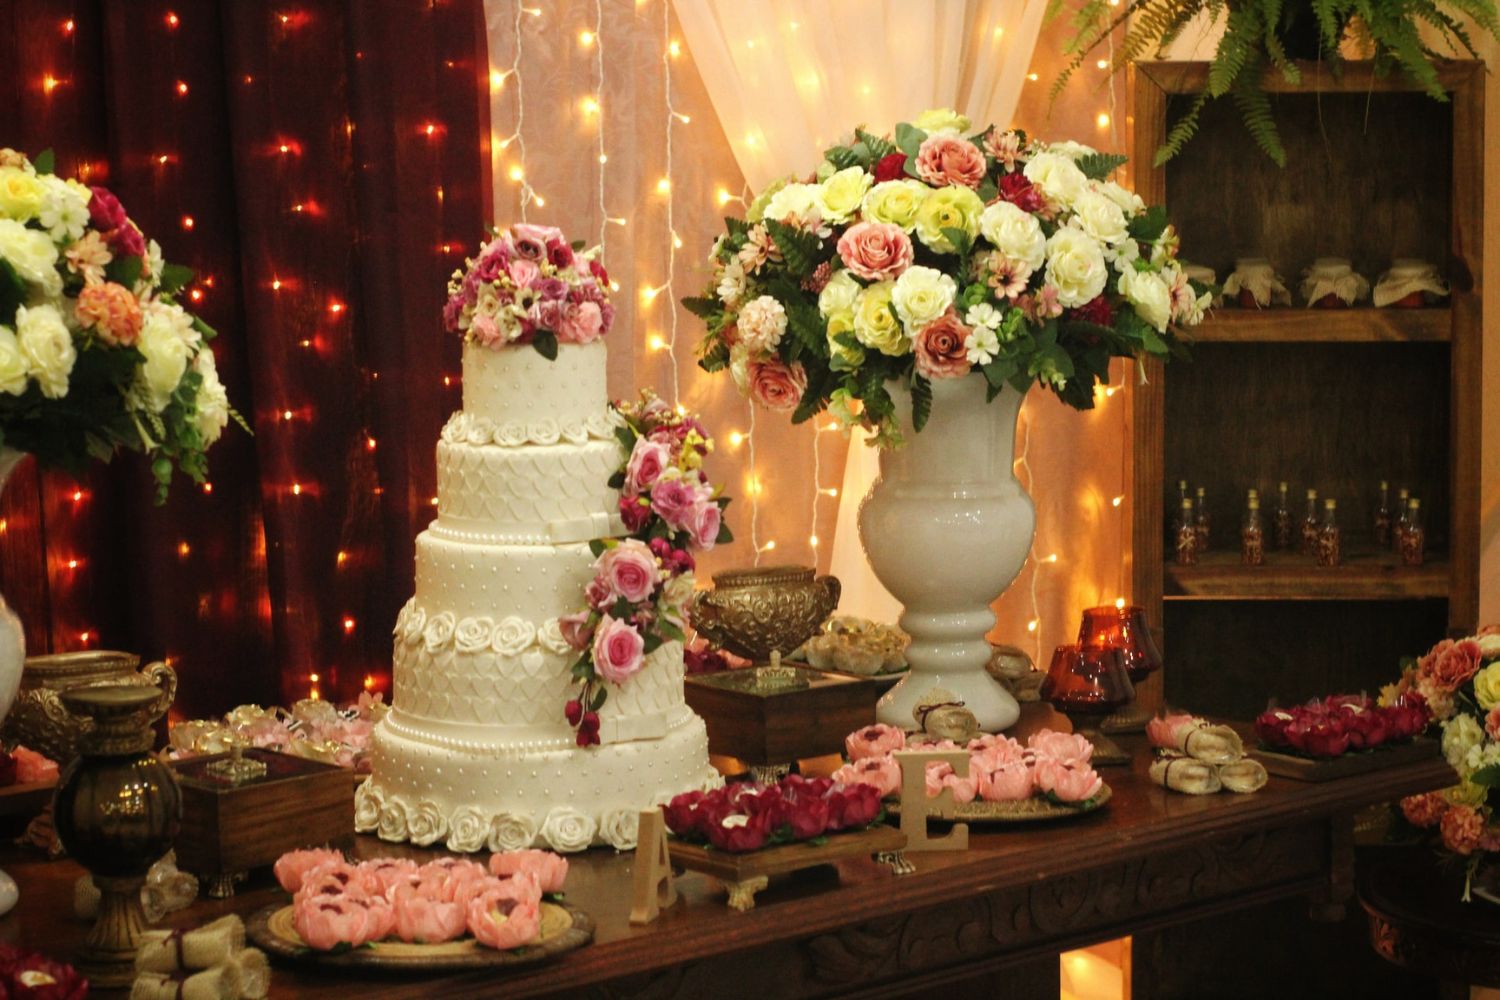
(1301, 325)
(1291, 577)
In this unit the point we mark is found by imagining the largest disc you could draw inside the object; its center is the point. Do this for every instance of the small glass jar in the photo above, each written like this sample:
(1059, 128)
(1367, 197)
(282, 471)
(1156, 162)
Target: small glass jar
(1253, 535)
(1282, 521)
(1381, 520)
(1329, 537)
(1414, 538)
(1310, 524)
(1185, 538)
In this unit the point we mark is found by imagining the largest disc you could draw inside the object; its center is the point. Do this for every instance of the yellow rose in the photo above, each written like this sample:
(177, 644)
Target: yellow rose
(21, 194)
(843, 192)
(921, 295)
(844, 358)
(31, 254)
(875, 325)
(1487, 686)
(838, 295)
(757, 209)
(895, 202)
(942, 121)
(952, 207)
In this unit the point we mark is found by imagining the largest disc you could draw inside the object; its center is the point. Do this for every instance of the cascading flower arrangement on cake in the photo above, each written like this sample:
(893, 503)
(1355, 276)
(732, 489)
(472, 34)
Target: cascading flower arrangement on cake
(96, 354)
(926, 254)
(638, 597)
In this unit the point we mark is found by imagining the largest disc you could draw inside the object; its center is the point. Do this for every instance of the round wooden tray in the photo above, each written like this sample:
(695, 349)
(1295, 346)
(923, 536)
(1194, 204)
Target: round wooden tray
(1032, 810)
(564, 928)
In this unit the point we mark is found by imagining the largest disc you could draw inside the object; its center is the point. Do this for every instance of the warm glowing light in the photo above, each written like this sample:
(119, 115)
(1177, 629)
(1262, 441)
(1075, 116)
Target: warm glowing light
(433, 501)
(84, 637)
(164, 159)
(370, 444)
(590, 106)
(812, 540)
(313, 678)
(184, 550)
(682, 117)
(335, 306)
(1119, 602)
(604, 159)
(275, 284)
(1117, 500)
(284, 19)
(1103, 120)
(341, 558)
(736, 439)
(72, 564)
(1102, 64)
(296, 489)
(656, 342)
(172, 19)
(348, 625)
(77, 496)
(516, 173)
(724, 196)
(1051, 559)
(768, 546)
(999, 31)
(187, 222)
(663, 186)
(1031, 625)
(497, 79)
(68, 26)
(429, 130)
(749, 138)
(540, 201)
(369, 681)
(4, 525)
(182, 88)
(829, 491)
(1032, 77)
(585, 38)
(287, 414)
(674, 48)
(208, 487)
(649, 293)
(49, 83)
(314, 694)
(196, 295)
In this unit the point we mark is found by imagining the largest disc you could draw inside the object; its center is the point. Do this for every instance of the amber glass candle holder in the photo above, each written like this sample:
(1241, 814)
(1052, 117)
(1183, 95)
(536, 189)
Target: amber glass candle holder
(1087, 683)
(1125, 629)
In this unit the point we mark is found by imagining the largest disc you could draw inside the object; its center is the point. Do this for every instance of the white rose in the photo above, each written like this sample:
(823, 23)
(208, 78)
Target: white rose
(12, 363)
(1057, 176)
(620, 828)
(840, 195)
(512, 636)
(896, 202)
(1075, 265)
(511, 832)
(550, 638)
(439, 631)
(167, 356)
(415, 623)
(467, 830)
(678, 591)
(392, 823)
(762, 324)
(32, 255)
(795, 201)
(426, 824)
(1014, 232)
(567, 830)
(456, 430)
(544, 431)
(1130, 203)
(1100, 217)
(1489, 646)
(921, 295)
(1150, 295)
(47, 346)
(367, 803)
(1072, 150)
(942, 121)
(1459, 735)
(838, 295)
(479, 433)
(213, 400)
(510, 435)
(473, 634)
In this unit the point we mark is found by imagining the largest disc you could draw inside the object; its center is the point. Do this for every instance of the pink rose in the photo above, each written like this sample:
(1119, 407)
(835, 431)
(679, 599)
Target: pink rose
(629, 570)
(293, 867)
(673, 500)
(325, 922)
(874, 741)
(944, 159)
(618, 650)
(1462, 828)
(1074, 782)
(598, 594)
(1065, 748)
(523, 272)
(1450, 664)
(776, 385)
(486, 331)
(940, 776)
(882, 773)
(647, 460)
(390, 872)
(1008, 782)
(32, 767)
(703, 523)
(504, 917)
(550, 869)
(875, 250)
(530, 242)
(430, 921)
(939, 348)
(575, 630)
(580, 323)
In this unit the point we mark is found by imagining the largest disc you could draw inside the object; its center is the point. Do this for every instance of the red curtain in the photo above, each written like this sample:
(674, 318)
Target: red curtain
(323, 167)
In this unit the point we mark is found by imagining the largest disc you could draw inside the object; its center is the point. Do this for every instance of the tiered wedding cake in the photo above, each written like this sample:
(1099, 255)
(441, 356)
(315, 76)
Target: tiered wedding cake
(475, 750)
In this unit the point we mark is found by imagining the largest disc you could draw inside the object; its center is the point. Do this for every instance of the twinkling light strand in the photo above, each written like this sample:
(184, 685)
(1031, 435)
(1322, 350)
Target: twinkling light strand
(755, 489)
(518, 173)
(672, 238)
(1035, 622)
(817, 491)
(598, 46)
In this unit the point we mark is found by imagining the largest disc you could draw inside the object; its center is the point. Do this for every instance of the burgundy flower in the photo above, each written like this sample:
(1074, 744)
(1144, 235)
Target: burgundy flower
(574, 711)
(1097, 311)
(1367, 730)
(599, 273)
(1319, 737)
(105, 211)
(560, 254)
(704, 661)
(1017, 190)
(738, 832)
(635, 513)
(682, 815)
(891, 167)
(1271, 727)
(851, 807)
(807, 816)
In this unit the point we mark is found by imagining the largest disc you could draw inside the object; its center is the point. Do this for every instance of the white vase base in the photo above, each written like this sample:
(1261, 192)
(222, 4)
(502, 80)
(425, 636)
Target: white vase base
(992, 705)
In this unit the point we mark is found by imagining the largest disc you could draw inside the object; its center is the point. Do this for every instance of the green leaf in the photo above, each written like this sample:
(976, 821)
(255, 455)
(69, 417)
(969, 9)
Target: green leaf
(626, 436)
(545, 343)
(736, 227)
(44, 162)
(1488, 776)
(801, 251)
(1098, 166)
(958, 239)
(616, 481)
(12, 292)
(669, 630)
(124, 270)
(1148, 227)
(843, 157)
(998, 370)
(725, 535)
(879, 148)
(577, 244)
(596, 547)
(601, 695)
(652, 641)
(921, 402)
(988, 190)
(702, 306)
(208, 332)
(174, 277)
(715, 355)
(909, 138)
(819, 383)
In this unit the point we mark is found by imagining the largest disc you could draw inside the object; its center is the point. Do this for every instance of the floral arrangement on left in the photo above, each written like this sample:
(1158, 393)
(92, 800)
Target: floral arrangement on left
(95, 352)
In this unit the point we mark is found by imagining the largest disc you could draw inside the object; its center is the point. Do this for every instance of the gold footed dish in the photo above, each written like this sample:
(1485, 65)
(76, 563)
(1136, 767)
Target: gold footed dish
(1131, 718)
(756, 612)
(39, 720)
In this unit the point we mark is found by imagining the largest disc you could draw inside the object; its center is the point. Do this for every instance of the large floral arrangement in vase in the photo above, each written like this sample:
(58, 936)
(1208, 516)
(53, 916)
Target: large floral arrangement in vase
(917, 284)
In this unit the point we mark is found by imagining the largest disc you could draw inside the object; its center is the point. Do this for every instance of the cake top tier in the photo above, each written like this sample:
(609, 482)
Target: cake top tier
(522, 389)
(530, 286)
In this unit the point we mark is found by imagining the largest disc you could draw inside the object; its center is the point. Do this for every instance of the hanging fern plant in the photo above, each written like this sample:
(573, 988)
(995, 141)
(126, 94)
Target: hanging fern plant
(1263, 36)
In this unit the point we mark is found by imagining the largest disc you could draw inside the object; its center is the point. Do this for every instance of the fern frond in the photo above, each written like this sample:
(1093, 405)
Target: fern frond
(1255, 109)
(1237, 48)
(1183, 130)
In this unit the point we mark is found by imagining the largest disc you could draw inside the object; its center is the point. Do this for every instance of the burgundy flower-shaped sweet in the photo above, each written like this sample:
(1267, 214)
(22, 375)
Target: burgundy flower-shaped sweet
(1271, 727)
(738, 832)
(1366, 729)
(683, 817)
(851, 807)
(1319, 736)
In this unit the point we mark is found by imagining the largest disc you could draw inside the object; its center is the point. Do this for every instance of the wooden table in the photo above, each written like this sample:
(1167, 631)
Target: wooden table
(995, 915)
(1418, 918)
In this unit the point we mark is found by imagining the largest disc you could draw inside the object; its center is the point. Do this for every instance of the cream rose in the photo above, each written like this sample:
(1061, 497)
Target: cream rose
(739, 368)
(21, 194)
(896, 202)
(414, 624)
(472, 635)
(12, 363)
(948, 208)
(1149, 294)
(1015, 233)
(213, 400)
(875, 325)
(550, 637)
(795, 201)
(620, 828)
(1130, 203)
(1100, 217)
(567, 830)
(426, 824)
(167, 356)
(511, 832)
(47, 347)
(1487, 687)
(838, 295)
(512, 636)
(1072, 150)
(31, 254)
(392, 823)
(842, 193)
(1489, 645)
(367, 803)
(921, 295)
(439, 631)
(1075, 266)
(467, 830)
(1460, 735)
(1057, 176)
(942, 121)
(762, 324)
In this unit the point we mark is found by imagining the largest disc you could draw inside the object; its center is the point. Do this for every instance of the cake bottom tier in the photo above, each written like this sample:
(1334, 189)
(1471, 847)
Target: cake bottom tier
(563, 799)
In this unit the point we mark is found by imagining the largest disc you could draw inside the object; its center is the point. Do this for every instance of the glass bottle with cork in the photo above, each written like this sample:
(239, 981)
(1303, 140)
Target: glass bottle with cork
(1310, 525)
(1253, 534)
(1185, 538)
(1381, 521)
(1281, 519)
(1202, 519)
(1329, 543)
(1414, 537)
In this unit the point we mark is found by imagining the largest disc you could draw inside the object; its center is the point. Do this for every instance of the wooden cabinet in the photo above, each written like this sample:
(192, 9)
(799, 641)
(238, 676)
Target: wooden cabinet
(1334, 400)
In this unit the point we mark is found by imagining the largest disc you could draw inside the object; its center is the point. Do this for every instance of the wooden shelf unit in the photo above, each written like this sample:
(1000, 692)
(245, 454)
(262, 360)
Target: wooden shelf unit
(1330, 399)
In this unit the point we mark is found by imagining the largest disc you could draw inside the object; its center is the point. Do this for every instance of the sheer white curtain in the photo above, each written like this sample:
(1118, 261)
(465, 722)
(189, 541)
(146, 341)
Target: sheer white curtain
(788, 77)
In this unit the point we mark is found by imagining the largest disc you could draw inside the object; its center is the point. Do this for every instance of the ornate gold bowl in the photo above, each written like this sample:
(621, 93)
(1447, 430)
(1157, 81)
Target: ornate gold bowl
(39, 720)
(755, 612)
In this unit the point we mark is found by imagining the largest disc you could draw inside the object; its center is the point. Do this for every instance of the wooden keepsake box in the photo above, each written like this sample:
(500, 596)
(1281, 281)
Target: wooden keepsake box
(229, 829)
(780, 714)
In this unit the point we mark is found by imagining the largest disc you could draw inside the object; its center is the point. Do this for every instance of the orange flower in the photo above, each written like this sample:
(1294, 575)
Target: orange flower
(112, 311)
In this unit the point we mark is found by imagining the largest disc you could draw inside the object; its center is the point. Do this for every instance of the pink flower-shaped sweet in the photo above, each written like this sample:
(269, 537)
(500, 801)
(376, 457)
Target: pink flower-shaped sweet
(629, 570)
(325, 922)
(874, 741)
(550, 869)
(503, 916)
(1066, 748)
(390, 872)
(944, 160)
(337, 878)
(875, 251)
(998, 746)
(881, 773)
(703, 523)
(647, 460)
(939, 348)
(941, 776)
(420, 918)
(1075, 782)
(776, 385)
(1462, 828)
(112, 310)
(1008, 782)
(619, 650)
(293, 867)
(32, 767)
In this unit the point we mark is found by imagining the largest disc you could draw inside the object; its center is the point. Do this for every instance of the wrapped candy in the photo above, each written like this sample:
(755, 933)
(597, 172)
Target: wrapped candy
(1409, 284)
(1330, 283)
(219, 983)
(1186, 775)
(203, 948)
(1243, 776)
(1197, 738)
(1255, 284)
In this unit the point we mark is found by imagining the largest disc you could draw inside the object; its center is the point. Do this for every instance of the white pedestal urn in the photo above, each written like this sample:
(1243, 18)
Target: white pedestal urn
(947, 528)
(12, 661)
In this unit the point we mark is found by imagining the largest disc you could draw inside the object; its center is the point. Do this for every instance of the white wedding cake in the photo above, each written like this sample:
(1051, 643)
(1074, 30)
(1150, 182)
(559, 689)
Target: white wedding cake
(475, 751)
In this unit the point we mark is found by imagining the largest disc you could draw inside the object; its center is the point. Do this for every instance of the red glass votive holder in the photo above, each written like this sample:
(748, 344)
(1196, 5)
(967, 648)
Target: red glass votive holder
(1087, 680)
(1123, 629)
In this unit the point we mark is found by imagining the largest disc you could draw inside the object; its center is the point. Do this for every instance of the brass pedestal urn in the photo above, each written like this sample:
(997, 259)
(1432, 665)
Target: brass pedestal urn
(38, 719)
(118, 809)
(756, 612)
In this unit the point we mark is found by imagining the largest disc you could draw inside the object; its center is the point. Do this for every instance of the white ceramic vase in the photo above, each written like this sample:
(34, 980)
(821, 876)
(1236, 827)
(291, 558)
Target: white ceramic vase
(946, 527)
